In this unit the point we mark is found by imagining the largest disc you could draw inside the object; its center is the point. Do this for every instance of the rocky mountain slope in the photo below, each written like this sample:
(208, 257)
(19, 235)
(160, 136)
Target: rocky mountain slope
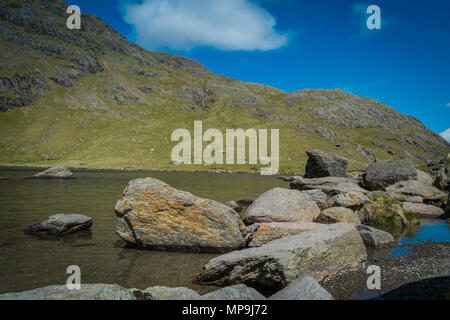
(89, 98)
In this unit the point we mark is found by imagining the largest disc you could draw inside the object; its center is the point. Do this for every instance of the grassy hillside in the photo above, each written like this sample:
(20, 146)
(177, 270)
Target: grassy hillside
(91, 99)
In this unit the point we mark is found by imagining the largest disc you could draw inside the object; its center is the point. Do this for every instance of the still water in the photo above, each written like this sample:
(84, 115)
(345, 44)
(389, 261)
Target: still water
(28, 262)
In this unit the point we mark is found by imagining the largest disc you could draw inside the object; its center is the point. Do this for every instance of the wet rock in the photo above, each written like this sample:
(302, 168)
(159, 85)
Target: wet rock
(321, 165)
(319, 252)
(61, 224)
(381, 174)
(61, 292)
(375, 238)
(338, 214)
(413, 188)
(236, 292)
(305, 288)
(262, 233)
(234, 205)
(282, 205)
(423, 210)
(165, 293)
(58, 172)
(153, 215)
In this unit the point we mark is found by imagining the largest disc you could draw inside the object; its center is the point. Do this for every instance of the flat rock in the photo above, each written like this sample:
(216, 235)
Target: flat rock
(153, 215)
(236, 292)
(338, 214)
(422, 210)
(61, 292)
(61, 224)
(305, 288)
(381, 174)
(262, 233)
(321, 164)
(375, 238)
(282, 205)
(413, 188)
(319, 252)
(329, 185)
(58, 172)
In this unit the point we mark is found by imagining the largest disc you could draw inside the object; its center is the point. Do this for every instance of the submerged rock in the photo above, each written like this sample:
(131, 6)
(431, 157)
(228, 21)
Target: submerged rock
(338, 214)
(381, 174)
(321, 165)
(375, 238)
(58, 172)
(319, 252)
(236, 292)
(262, 233)
(423, 210)
(153, 215)
(282, 205)
(61, 224)
(305, 288)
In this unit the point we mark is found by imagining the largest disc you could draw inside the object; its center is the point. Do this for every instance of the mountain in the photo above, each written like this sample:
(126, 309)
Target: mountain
(89, 98)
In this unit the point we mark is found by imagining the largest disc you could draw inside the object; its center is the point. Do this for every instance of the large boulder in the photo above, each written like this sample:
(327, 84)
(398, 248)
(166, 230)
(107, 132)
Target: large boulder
(423, 210)
(321, 165)
(58, 172)
(403, 190)
(305, 288)
(236, 292)
(381, 174)
(320, 252)
(153, 215)
(338, 214)
(61, 224)
(282, 205)
(262, 233)
(375, 238)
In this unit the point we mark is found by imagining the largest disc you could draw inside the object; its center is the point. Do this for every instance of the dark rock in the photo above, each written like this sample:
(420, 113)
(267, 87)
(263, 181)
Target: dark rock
(381, 174)
(321, 165)
(146, 89)
(61, 224)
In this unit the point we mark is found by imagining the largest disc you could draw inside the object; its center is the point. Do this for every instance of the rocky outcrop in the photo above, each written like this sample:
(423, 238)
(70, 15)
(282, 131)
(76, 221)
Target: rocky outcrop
(153, 215)
(58, 172)
(338, 214)
(423, 210)
(401, 191)
(61, 224)
(319, 252)
(305, 288)
(282, 205)
(259, 234)
(381, 174)
(321, 165)
(375, 238)
(236, 292)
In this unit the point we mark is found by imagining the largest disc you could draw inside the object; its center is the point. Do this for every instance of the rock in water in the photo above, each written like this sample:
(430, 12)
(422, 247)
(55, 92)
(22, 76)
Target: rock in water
(153, 215)
(58, 172)
(381, 174)
(61, 224)
(321, 165)
(320, 252)
(282, 205)
(237, 292)
(375, 238)
(338, 214)
(262, 233)
(305, 288)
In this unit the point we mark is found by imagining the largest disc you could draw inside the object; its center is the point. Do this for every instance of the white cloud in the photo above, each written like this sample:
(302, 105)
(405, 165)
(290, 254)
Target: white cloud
(222, 24)
(446, 135)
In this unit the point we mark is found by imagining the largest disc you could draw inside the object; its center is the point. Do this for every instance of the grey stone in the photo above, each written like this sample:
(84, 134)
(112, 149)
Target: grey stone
(320, 252)
(115, 292)
(381, 174)
(165, 293)
(321, 165)
(305, 288)
(375, 238)
(236, 292)
(282, 205)
(412, 188)
(61, 224)
(338, 214)
(423, 210)
(234, 205)
(58, 172)
(424, 178)
(353, 200)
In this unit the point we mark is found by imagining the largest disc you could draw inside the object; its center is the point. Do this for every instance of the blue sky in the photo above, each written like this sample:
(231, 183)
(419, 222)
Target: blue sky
(297, 44)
